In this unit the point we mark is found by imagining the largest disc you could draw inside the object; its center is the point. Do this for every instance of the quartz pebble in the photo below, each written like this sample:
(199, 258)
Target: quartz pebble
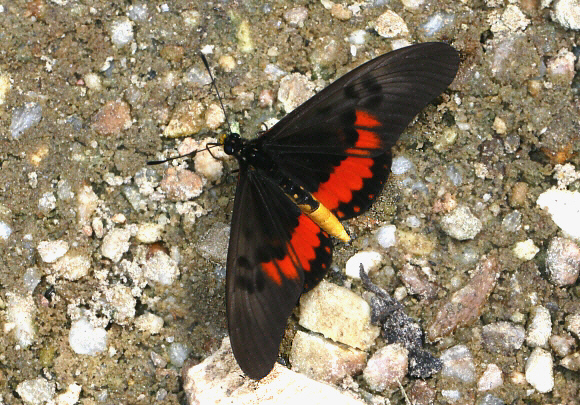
(386, 236)
(573, 324)
(540, 328)
(115, 244)
(539, 372)
(25, 117)
(84, 338)
(491, 378)
(72, 266)
(390, 25)
(160, 268)
(458, 364)
(564, 208)
(122, 32)
(149, 323)
(339, 314)
(322, 360)
(562, 345)
(567, 13)
(36, 392)
(503, 337)
(218, 380)
(296, 16)
(386, 367)
(461, 224)
(369, 260)
(70, 396)
(525, 250)
(51, 251)
(20, 315)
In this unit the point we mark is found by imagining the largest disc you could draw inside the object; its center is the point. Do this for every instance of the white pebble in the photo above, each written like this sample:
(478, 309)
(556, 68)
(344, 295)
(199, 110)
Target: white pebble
(115, 243)
(25, 117)
(20, 314)
(178, 353)
(567, 13)
(525, 250)
(149, 322)
(390, 25)
(84, 338)
(122, 32)
(47, 202)
(5, 230)
(70, 396)
(539, 372)
(72, 266)
(564, 207)
(491, 378)
(161, 268)
(37, 391)
(148, 232)
(386, 236)
(369, 260)
(540, 329)
(386, 367)
(401, 165)
(458, 364)
(51, 251)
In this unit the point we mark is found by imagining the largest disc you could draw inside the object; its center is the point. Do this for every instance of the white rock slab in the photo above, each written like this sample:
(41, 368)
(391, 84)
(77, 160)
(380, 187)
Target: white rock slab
(564, 207)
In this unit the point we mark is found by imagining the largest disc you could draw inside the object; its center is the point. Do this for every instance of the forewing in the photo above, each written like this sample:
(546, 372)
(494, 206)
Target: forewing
(338, 144)
(274, 251)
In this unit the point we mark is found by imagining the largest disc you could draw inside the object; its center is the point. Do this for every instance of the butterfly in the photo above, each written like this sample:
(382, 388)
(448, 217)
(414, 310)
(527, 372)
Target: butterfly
(326, 161)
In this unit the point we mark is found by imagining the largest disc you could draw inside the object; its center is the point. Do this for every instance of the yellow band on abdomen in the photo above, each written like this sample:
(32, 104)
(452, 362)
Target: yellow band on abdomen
(327, 221)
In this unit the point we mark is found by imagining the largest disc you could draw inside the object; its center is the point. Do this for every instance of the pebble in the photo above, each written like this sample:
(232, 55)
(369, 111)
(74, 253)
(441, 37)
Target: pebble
(187, 119)
(138, 12)
(437, 22)
(415, 243)
(294, 90)
(490, 379)
(357, 37)
(120, 299)
(116, 243)
(539, 370)
(370, 261)
(401, 165)
(564, 208)
(567, 13)
(36, 392)
(84, 338)
(412, 4)
(178, 353)
(122, 32)
(490, 399)
(390, 25)
(191, 18)
(322, 360)
(25, 117)
(227, 63)
(465, 305)
(421, 393)
(386, 368)
(51, 251)
(113, 118)
(417, 282)
(20, 315)
(563, 262)
(461, 224)
(561, 68)
(47, 203)
(70, 396)
(508, 20)
(213, 245)
(458, 364)
(214, 116)
(454, 175)
(149, 323)
(562, 345)
(339, 314)
(207, 165)
(5, 230)
(266, 98)
(5, 87)
(540, 328)
(296, 16)
(386, 236)
(148, 232)
(218, 380)
(181, 184)
(200, 77)
(512, 222)
(87, 203)
(503, 337)
(72, 266)
(413, 222)
(244, 37)
(340, 12)
(31, 278)
(160, 268)
(525, 250)
(573, 324)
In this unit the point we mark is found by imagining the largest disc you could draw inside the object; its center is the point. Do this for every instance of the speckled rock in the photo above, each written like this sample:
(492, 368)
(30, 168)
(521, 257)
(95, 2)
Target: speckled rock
(148, 232)
(573, 324)
(296, 16)
(218, 380)
(562, 344)
(322, 360)
(461, 224)
(563, 262)
(72, 266)
(113, 118)
(187, 119)
(20, 316)
(386, 367)
(339, 314)
(160, 268)
(458, 364)
(503, 337)
(391, 25)
(36, 392)
(181, 184)
(121, 301)
(213, 245)
(294, 90)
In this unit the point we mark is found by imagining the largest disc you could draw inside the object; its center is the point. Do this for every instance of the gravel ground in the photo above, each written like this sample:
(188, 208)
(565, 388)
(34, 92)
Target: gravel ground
(112, 272)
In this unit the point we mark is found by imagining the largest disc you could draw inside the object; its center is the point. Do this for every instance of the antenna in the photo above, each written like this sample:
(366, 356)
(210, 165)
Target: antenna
(203, 58)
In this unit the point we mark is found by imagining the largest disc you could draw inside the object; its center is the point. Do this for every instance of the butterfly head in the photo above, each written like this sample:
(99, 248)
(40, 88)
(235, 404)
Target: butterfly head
(232, 143)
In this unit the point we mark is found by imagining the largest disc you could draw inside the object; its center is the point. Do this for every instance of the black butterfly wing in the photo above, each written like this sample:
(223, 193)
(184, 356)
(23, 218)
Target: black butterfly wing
(274, 250)
(338, 144)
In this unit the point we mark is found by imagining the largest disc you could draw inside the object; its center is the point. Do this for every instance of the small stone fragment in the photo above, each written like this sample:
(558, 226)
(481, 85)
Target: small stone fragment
(209, 165)
(214, 116)
(227, 63)
(525, 250)
(386, 236)
(369, 260)
(70, 396)
(72, 266)
(218, 380)
(87, 203)
(540, 328)
(25, 117)
(386, 368)
(84, 338)
(503, 337)
(417, 282)
(539, 370)
(122, 32)
(340, 12)
(561, 68)
(20, 315)
(567, 13)
(461, 224)
(160, 268)
(491, 378)
(415, 243)
(518, 194)
(296, 16)
(322, 360)
(294, 90)
(113, 118)
(36, 392)
(187, 119)
(148, 232)
(563, 262)
(149, 323)
(571, 362)
(244, 37)
(562, 345)
(573, 324)
(214, 244)
(458, 364)
(564, 207)
(465, 306)
(115, 244)
(181, 184)
(122, 302)
(51, 251)
(5, 86)
(339, 314)
(390, 25)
